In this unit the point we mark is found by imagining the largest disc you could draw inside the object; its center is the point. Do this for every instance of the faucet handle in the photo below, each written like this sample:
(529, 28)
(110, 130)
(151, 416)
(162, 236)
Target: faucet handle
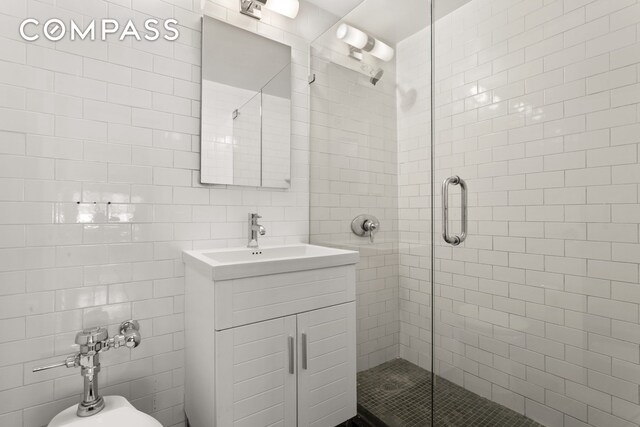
(72, 361)
(253, 216)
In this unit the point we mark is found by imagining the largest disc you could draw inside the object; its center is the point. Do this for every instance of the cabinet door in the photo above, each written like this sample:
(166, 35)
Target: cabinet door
(327, 366)
(256, 375)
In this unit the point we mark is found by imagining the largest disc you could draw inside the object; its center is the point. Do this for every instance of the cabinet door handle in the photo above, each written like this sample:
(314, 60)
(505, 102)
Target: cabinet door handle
(305, 361)
(291, 355)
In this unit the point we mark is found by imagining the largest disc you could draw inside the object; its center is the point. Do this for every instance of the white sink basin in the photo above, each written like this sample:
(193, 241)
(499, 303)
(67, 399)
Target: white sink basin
(225, 264)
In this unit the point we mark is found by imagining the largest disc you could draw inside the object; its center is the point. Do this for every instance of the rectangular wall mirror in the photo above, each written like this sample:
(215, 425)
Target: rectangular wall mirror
(246, 108)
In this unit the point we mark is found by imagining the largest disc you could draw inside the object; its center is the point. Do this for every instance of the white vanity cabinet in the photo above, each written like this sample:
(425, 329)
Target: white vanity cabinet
(296, 370)
(256, 374)
(271, 350)
(327, 366)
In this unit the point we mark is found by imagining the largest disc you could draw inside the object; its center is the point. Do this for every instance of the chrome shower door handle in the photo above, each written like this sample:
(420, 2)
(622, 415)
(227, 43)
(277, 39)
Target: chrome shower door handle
(454, 240)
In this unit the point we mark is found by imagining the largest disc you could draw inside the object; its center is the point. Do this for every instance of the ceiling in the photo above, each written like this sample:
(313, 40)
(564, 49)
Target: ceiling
(388, 22)
(443, 8)
(336, 7)
(384, 19)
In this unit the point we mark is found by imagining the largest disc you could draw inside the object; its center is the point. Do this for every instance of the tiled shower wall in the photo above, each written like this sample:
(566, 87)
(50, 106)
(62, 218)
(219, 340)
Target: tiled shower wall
(414, 196)
(353, 172)
(86, 123)
(537, 108)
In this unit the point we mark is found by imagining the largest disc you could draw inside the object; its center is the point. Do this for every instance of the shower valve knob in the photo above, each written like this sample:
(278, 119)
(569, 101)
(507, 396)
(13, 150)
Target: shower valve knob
(369, 226)
(365, 226)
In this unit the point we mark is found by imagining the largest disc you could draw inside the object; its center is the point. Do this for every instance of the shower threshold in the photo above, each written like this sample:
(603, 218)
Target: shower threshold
(398, 394)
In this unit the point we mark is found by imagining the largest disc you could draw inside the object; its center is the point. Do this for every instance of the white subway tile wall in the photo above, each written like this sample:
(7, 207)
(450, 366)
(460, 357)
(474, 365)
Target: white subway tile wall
(537, 108)
(84, 124)
(354, 172)
(414, 200)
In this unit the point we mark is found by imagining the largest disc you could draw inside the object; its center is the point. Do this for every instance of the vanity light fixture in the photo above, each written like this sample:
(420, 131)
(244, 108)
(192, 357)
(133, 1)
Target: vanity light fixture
(361, 40)
(253, 8)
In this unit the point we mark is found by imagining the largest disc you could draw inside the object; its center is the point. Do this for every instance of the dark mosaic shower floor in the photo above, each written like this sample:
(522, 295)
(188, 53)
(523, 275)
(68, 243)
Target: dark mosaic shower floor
(399, 394)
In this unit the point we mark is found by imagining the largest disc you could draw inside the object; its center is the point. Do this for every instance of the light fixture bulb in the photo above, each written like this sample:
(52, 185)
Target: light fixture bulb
(352, 36)
(288, 8)
(361, 40)
(382, 51)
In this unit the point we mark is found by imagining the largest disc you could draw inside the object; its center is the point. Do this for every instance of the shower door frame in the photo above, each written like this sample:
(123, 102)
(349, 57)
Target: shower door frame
(432, 62)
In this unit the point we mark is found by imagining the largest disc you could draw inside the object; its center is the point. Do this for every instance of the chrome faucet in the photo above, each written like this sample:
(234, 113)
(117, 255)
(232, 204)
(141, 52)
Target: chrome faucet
(255, 229)
(92, 342)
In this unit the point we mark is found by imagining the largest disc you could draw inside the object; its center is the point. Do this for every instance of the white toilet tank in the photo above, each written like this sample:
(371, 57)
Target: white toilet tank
(118, 412)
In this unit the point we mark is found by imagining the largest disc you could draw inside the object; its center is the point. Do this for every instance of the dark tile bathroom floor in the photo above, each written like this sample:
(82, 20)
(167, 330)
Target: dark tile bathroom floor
(398, 393)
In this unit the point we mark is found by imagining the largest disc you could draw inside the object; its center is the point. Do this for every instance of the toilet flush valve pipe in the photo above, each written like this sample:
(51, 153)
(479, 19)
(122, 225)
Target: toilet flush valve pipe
(92, 342)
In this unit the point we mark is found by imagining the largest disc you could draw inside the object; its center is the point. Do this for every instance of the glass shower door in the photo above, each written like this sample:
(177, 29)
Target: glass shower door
(370, 155)
(537, 307)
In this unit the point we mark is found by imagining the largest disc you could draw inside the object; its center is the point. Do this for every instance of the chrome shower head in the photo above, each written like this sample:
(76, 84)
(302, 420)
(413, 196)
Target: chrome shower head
(376, 78)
